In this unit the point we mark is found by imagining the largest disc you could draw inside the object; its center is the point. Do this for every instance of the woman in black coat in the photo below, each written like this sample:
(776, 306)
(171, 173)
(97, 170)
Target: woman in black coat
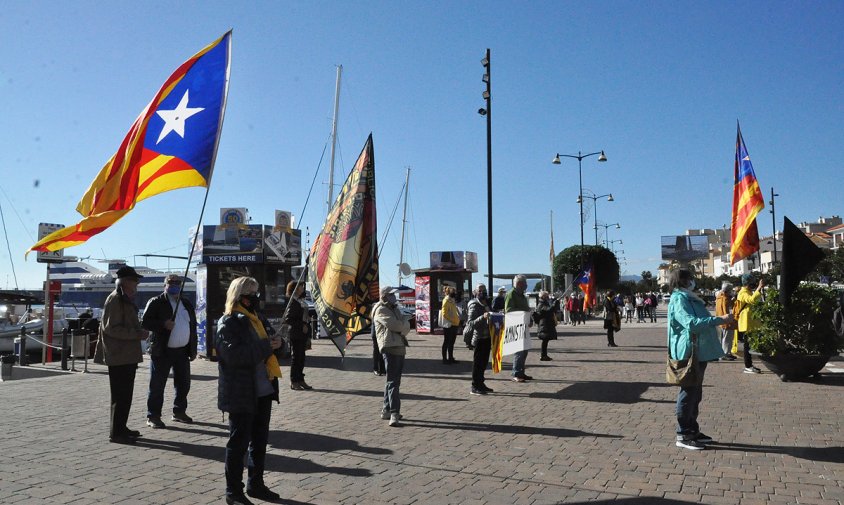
(296, 322)
(247, 386)
(611, 318)
(546, 319)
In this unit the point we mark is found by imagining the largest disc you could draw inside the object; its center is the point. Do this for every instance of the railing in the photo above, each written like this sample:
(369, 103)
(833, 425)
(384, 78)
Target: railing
(73, 350)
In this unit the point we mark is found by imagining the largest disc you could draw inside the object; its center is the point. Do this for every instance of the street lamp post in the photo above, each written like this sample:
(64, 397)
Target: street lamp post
(606, 228)
(611, 244)
(594, 199)
(774, 229)
(579, 157)
(487, 95)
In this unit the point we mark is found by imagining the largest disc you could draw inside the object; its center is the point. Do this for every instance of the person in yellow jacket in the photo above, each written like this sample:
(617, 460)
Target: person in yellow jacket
(748, 295)
(450, 314)
(724, 305)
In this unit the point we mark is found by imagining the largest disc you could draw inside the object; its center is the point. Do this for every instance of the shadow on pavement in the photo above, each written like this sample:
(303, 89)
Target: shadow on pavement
(379, 393)
(605, 392)
(296, 441)
(274, 462)
(636, 500)
(825, 454)
(364, 364)
(609, 361)
(505, 428)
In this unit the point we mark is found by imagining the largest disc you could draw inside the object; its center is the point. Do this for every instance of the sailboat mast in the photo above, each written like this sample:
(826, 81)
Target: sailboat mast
(552, 253)
(334, 139)
(403, 221)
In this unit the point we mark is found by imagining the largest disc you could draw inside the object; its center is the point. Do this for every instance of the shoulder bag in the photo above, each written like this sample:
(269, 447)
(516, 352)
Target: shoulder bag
(684, 372)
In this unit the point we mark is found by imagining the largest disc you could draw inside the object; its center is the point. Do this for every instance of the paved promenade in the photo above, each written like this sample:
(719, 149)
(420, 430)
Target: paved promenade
(596, 426)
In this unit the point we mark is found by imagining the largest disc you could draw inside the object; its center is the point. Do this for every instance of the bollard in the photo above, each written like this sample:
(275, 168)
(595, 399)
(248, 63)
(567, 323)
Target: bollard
(64, 348)
(22, 361)
(87, 348)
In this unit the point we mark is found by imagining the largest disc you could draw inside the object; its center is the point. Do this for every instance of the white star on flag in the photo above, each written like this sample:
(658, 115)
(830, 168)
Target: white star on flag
(174, 120)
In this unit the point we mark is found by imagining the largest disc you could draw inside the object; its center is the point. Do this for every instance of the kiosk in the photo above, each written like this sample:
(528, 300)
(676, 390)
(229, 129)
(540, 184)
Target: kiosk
(231, 250)
(448, 269)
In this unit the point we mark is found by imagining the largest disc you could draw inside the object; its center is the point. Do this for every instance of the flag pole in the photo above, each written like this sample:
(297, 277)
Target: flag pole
(211, 172)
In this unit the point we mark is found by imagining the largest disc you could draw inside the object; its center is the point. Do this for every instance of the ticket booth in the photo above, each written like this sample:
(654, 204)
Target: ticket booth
(231, 251)
(448, 269)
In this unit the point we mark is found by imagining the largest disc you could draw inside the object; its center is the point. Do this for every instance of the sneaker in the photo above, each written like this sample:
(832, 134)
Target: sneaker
(527, 377)
(703, 439)
(730, 357)
(394, 419)
(694, 445)
(385, 415)
(476, 391)
(752, 369)
(545, 358)
(181, 417)
(133, 433)
(488, 390)
(305, 386)
(518, 379)
(376, 372)
(296, 386)
(155, 423)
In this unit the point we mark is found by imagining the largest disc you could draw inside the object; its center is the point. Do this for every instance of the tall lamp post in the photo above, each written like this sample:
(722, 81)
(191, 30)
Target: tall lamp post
(594, 199)
(774, 229)
(487, 95)
(606, 228)
(579, 157)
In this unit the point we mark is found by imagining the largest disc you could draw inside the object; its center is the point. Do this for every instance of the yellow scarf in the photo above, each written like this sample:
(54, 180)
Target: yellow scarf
(273, 370)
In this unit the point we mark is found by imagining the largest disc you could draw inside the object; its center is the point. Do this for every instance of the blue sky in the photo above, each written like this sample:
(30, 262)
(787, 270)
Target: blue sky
(657, 85)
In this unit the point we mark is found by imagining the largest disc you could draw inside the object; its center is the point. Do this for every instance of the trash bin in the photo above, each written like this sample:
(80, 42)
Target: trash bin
(6, 364)
(78, 348)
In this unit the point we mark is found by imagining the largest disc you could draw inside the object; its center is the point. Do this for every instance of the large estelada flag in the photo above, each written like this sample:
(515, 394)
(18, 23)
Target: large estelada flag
(171, 145)
(586, 282)
(747, 203)
(343, 262)
(799, 257)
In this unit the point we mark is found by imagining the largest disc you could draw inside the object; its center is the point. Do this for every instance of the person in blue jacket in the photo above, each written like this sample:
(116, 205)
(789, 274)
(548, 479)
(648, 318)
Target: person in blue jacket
(688, 316)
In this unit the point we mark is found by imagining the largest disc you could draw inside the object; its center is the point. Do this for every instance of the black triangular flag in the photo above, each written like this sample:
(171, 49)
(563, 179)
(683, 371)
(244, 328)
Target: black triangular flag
(799, 257)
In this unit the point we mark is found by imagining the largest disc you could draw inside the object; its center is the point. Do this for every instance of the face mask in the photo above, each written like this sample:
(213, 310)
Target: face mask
(692, 285)
(173, 290)
(254, 300)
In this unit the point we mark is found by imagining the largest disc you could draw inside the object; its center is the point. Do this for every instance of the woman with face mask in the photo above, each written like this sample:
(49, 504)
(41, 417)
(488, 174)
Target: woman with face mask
(691, 325)
(297, 320)
(248, 384)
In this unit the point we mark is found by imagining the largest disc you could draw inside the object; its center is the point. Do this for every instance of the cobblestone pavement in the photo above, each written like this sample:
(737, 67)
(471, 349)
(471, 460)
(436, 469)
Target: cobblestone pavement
(596, 425)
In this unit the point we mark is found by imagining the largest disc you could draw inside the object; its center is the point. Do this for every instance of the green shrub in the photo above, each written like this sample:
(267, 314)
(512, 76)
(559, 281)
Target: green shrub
(803, 328)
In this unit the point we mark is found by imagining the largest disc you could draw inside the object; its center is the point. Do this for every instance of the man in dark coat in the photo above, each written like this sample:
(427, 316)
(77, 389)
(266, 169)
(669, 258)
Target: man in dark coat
(172, 345)
(120, 337)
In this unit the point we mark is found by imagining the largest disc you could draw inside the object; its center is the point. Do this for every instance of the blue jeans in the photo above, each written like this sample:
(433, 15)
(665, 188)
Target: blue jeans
(394, 364)
(519, 363)
(250, 431)
(159, 370)
(688, 402)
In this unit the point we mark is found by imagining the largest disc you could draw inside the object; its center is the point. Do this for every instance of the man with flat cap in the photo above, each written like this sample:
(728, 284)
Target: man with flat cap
(120, 336)
(172, 345)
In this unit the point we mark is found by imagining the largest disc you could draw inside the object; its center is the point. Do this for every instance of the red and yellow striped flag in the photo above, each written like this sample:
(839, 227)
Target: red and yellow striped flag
(747, 203)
